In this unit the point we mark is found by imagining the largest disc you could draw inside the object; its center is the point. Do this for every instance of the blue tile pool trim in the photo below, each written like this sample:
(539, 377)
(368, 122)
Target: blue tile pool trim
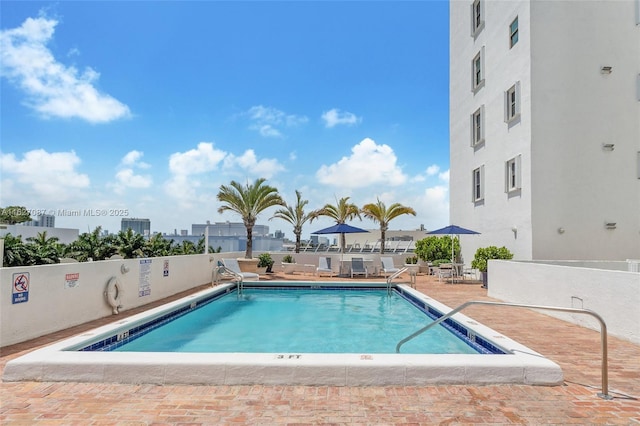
(113, 342)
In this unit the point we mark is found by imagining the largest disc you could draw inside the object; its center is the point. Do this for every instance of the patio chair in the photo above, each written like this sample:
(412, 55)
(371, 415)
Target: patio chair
(387, 266)
(358, 268)
(324, 265)
(445, 270)
(232, 265)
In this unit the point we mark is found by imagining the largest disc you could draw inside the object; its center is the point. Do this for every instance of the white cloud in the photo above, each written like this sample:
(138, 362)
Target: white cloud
(204, 158)
(185, 168)
(444, 176)
(334, 116)
(268, 120)
(42, 176)
(369, 164)
(127, 178)
(53, 89)
(433, 169)
(248, 162)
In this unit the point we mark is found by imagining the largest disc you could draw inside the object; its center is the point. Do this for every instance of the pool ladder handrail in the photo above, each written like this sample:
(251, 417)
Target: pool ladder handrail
(603, 331)
(219, 270)
(394, 275)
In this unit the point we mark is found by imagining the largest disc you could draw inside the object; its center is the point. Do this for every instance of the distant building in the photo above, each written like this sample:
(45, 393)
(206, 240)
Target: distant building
(278, 234)
(139, 226)
(228, 229)
(47, 220)
(545, 127)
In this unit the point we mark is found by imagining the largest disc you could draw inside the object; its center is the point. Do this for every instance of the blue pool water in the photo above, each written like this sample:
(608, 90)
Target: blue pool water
(300, 321)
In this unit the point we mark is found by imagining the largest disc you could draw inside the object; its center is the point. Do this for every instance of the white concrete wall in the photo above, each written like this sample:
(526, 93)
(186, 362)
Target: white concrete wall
(53, 305)
(578, 185)
(568, 110)
(612, 294)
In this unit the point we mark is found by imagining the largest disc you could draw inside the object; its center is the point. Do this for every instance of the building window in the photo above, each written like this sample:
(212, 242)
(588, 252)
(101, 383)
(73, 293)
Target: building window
(477, 17)
(477, 71)
(512, 103)
(512, 175)
(513, 32)
(477, 127)
(478, 184)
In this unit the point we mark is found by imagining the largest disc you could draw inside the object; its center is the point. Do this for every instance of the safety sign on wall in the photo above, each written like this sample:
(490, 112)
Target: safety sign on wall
(71, 280)
(165, 269)
(20, 287)
(144, 286)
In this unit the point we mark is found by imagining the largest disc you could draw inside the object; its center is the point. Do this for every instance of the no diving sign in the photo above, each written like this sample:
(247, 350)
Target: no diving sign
(20, 287)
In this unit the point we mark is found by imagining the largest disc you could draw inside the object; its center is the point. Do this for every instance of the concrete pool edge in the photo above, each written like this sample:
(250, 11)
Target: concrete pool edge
(53, 363)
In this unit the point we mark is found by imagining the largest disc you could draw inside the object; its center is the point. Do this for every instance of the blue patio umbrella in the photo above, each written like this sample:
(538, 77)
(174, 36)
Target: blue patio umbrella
(340, 228)
(452, 230)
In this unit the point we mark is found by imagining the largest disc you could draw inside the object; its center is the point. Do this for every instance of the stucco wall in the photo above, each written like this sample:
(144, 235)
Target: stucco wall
(613, 294)
(55, 302)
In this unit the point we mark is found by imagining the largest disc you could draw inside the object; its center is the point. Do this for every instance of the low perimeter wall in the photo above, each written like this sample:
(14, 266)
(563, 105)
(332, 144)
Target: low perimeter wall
(63, 295)
(612, 294)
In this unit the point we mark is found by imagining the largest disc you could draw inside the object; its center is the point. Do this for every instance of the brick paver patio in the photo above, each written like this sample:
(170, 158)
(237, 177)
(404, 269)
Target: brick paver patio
(575, 349)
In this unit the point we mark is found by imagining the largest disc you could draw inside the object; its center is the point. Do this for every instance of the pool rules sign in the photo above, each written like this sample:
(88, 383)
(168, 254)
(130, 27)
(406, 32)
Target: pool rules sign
(20, 287)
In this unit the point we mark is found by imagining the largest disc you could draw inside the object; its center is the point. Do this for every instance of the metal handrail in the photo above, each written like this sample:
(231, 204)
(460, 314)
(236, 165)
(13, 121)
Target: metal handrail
(221, 269)
(603, 331)
(392, 276)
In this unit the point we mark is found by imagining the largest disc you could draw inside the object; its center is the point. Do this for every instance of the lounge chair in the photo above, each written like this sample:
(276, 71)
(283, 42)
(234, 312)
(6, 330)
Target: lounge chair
(232, 265)
(387, 266)
(358, 268)
(324, 265)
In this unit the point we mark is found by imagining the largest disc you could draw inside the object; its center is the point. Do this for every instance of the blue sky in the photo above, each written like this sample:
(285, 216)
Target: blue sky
(149, 107)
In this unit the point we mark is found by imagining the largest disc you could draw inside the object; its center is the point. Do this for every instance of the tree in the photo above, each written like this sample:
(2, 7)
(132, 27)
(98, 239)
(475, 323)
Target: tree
(248, 201)
(130, 244)
(379, 213)
(200, 247)
(186, 247)
(15, 252)
(341, 213)
(157, 246)
(92, 245)
(14, 214)
(43, 250)
(296, 216)
(435, 248)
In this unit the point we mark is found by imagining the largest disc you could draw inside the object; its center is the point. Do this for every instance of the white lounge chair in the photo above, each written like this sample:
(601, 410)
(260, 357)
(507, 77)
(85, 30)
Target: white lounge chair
(232, 265)
(358, 268)
(324, 265)
(387, 266)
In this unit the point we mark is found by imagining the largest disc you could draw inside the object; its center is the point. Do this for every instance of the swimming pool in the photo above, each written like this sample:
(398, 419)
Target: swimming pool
(88, 357)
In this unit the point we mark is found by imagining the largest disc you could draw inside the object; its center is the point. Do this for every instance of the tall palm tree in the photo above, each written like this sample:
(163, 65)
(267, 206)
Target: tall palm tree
(296, 216)
(341, 213)
(43, 249)
(248, 201)
(379, 213)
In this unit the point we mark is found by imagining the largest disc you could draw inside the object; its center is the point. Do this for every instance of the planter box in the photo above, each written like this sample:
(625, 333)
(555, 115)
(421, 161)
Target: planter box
(248, 265)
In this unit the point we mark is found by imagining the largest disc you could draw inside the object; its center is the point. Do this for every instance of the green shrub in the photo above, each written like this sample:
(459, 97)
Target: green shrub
(483, 254)
(265, 260)
(288, 259)
(439, 262)
(433, 248)
(412, 260)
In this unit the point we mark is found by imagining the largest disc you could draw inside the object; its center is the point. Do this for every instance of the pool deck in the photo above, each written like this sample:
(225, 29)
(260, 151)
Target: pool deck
(575, 349)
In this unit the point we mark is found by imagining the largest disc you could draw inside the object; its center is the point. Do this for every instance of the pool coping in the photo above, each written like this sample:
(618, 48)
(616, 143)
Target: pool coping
(55, 362)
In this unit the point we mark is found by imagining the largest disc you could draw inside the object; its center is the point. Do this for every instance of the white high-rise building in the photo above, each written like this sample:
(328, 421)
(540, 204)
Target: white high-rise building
(545, 127)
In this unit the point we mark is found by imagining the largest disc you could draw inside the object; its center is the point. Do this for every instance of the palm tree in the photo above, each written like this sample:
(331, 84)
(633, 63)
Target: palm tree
(341, 213)
(91, 246)
(379, 213)
(15, 252)
(43, 249)
(248, 201)
(130, 244)
(296, 216)
(157, 246)
(186, 247)
(200, 247)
